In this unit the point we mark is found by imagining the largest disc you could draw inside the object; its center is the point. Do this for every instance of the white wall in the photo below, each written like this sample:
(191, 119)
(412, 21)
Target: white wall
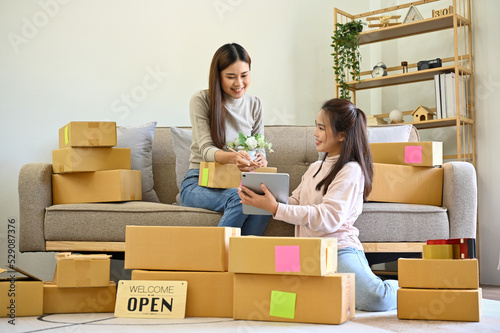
(64, 60)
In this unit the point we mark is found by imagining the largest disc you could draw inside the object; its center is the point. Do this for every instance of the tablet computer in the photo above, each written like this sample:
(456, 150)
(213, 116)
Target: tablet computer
(277, 183)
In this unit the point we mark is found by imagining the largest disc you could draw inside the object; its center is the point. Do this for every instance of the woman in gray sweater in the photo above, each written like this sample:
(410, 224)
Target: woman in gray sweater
(217, 116)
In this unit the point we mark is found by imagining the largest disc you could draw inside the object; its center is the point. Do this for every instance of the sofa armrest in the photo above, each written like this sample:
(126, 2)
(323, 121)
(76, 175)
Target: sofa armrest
(460, 198)
(35, 194)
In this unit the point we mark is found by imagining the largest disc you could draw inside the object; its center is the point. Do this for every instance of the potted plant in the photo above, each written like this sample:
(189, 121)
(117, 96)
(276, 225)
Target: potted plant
(251, 144)
(346, 56)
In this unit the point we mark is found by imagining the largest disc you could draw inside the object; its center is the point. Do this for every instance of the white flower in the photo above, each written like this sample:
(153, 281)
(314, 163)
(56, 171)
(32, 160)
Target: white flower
(231, 145)
(261, 143)
(251, 143)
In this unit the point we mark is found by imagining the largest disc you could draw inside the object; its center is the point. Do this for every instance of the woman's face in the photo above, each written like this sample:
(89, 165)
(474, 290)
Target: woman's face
(235, 79)
(325, 140)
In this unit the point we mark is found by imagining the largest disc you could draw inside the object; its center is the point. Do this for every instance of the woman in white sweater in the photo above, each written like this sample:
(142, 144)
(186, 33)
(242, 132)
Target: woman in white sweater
(217, 116)
(330, 198)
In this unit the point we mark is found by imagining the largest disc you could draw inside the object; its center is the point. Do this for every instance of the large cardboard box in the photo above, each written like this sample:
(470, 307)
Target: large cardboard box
(209, 294)
(88, 134)
(21, 294)
(438, 273)
(178, 248)
(304, 299)
(423, 153)
(439, 304)
(90, 159)
(78, 300)
(82, 270)
(217, 175)
(407, 184)
(98, 186)
(283, 255)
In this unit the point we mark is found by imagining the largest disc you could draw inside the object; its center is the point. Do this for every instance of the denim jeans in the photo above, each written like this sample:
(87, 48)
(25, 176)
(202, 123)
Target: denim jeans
(221, 200)
(372, 294)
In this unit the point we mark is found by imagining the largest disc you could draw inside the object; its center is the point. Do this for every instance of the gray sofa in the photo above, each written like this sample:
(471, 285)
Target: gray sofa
(100, 227)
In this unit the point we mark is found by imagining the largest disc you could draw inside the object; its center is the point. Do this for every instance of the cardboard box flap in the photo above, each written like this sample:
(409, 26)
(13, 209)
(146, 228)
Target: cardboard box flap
(27, 276)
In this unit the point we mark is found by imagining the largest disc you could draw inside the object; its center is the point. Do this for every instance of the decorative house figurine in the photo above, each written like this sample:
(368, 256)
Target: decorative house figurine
(422, 113)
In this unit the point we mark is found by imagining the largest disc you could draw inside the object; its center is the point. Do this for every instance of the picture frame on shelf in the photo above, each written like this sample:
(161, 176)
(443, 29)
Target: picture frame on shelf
(412, 15)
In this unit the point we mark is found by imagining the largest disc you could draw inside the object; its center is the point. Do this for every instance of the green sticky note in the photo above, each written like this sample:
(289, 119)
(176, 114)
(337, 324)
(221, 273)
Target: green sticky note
(204, 177)
(282, 304)
(66, 135)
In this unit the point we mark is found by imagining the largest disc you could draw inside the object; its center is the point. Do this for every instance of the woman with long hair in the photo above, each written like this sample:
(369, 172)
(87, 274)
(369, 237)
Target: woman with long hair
(217, 116)
(330, 198)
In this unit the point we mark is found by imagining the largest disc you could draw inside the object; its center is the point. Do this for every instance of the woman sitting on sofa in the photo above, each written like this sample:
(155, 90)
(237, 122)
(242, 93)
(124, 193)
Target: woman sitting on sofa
(217, 116)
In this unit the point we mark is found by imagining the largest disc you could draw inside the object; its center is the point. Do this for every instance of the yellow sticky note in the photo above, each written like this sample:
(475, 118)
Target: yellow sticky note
(66, 135)
(204, 177)
(282, 304)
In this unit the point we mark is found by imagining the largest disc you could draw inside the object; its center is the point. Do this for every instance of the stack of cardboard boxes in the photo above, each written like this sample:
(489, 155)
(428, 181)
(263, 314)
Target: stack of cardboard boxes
(439, 286)
(81, 284)
(87, 169)
(197, 255)
(290, 279)
(405, 172)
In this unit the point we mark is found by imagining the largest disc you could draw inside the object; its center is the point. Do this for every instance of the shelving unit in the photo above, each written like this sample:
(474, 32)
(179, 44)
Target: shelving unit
(459, 22)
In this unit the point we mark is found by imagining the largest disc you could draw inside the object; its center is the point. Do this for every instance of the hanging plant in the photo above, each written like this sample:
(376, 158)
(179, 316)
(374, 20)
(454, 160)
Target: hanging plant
(346, 56)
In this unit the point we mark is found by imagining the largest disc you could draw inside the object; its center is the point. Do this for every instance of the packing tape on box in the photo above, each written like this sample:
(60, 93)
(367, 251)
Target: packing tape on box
(444, 251)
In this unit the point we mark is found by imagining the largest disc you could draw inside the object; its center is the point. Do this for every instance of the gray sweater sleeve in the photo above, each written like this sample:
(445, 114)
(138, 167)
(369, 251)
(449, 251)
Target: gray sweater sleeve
(202, 147)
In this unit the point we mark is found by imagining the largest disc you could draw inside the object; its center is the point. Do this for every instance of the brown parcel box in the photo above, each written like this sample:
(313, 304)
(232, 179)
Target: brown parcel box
(209, 294)
(217, 175)
(82, 270)
(88, 134)
(438, 273)
(21, 294)
(90, 159)
(283, 255)
(407, 184)
(423, 153)
(78, 300)
(302, 299)
(178, 248)
(439, 304)
(98, 186)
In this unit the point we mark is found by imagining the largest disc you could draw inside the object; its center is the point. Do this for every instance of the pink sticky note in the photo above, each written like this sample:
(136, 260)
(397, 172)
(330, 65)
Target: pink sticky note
(287, 258)
(413, 154)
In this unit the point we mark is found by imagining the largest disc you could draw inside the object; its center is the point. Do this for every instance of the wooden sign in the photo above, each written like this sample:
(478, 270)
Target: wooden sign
(442, 12)
(151, 299)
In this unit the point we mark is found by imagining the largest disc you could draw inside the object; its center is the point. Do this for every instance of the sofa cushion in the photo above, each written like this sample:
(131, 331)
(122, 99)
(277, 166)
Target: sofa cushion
(140, 141)
(181, 142)
(394, 222)
(389, 133)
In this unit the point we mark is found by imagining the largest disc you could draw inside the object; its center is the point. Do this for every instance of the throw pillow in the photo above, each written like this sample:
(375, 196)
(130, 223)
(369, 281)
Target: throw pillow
(389, 133)
(181, 141)
(140, 141)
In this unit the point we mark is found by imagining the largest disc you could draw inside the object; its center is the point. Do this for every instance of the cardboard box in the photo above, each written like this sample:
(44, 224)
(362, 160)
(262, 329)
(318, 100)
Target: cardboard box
(407, 184)
(78, 300)
(98, 186)
(217, 175)
(423, 153)
(438, 273)
(283, 255)
(82, 270)
(303, 299)
(88, 134)
(463, 248)
(178, 248)
(209, 294)
(439, 304)
(21, 294)
(90, 159)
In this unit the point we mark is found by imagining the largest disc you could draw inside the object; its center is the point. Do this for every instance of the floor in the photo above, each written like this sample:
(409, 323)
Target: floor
(491, 292)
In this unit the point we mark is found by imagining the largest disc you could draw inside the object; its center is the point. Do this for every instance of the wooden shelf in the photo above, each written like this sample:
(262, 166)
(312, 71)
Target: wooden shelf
(402, 78)
(410, 29)
(435, 123)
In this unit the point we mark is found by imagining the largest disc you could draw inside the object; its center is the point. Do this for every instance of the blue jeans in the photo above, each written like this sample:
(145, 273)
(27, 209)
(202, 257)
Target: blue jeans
(372, 294)
(221, 200)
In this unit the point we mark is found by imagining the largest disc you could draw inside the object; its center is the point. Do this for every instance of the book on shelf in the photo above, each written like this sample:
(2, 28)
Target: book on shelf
(445, 90)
